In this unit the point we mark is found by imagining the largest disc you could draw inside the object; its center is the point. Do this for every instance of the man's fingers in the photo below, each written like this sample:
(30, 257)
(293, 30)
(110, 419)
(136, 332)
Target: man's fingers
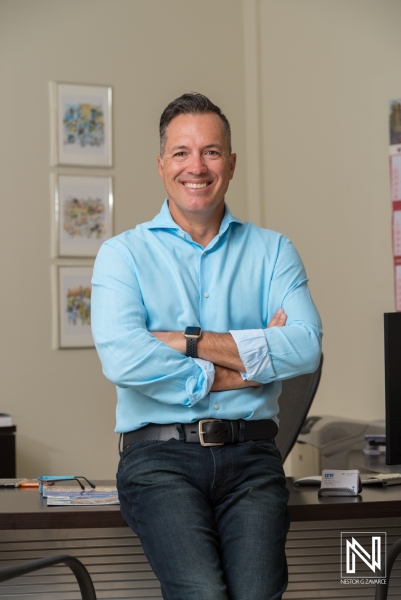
(278, 320)
(254, 383)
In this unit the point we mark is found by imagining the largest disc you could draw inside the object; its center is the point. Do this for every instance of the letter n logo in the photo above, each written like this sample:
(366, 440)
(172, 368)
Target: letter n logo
(354, 548)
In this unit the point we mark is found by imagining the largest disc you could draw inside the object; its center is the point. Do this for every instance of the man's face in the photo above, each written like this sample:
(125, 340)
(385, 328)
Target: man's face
(196, 166)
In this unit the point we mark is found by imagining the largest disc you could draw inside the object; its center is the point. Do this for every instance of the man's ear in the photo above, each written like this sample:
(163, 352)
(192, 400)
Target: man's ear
(160, 166)
(233, 162)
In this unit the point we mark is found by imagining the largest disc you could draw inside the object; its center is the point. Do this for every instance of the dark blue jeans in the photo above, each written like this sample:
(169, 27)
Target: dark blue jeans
(212, 521)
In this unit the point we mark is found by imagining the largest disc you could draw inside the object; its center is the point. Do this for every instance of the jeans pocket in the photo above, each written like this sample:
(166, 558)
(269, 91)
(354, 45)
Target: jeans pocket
(141, 447)
(136, 447)
(266, 446)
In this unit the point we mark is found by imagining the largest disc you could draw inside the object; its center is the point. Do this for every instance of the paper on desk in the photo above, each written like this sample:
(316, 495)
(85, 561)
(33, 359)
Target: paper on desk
(379, 479)
(384, 479)
(71, 496)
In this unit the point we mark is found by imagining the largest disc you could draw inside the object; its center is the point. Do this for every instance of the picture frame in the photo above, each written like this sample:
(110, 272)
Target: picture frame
(83, 211)
(82, 122)
(74, 306)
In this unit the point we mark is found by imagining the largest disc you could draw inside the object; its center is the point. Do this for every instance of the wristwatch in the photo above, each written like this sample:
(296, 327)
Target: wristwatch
(192, 335)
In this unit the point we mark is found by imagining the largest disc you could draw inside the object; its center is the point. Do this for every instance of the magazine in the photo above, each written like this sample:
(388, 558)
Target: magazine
(71, 496)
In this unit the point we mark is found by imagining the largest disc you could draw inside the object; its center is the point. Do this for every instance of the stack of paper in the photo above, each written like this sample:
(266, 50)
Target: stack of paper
(383, 478)
(71, 496)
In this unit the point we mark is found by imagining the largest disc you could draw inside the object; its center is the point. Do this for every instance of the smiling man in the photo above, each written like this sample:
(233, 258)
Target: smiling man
(197, 317)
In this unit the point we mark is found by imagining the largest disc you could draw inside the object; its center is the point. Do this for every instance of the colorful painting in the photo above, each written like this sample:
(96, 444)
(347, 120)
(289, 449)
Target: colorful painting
(83, 125)
(79, 305)
(83, 209)
(75, 307)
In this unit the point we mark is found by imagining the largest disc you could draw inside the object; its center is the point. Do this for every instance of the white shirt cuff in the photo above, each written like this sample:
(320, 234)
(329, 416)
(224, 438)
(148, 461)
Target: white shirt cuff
(208, 371)
(253, 351)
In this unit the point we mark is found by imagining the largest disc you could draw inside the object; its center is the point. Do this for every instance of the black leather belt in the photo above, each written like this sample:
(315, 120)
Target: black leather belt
(208, 432)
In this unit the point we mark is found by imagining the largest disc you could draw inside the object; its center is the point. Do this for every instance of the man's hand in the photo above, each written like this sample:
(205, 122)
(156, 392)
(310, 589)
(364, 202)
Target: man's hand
(228, 379)
(279, 319)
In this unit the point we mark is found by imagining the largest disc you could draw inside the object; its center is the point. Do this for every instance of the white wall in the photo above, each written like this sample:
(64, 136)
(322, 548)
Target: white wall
(150, 52)
(312, 140)
(327, 72)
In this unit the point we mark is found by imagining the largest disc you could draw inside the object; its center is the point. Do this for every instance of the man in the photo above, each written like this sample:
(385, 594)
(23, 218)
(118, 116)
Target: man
(197, 317)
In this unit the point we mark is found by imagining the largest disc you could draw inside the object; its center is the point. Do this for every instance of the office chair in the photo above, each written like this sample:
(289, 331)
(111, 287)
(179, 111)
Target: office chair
(81, 574)
(296, 397)
(382, 589)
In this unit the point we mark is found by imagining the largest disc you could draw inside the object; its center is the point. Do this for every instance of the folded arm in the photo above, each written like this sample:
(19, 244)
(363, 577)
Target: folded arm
(218, 348)
(134, 357)
(222, 351)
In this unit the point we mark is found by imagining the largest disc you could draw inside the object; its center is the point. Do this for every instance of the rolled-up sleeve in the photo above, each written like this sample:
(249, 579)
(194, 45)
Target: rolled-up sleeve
(208, 371)
(253, 351)
(131, 356)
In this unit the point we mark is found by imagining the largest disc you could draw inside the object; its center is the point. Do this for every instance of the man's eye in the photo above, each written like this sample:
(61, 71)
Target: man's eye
(179, 154)
(212, 152)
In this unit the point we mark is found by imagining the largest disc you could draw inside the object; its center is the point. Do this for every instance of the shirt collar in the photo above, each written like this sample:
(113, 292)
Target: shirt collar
(164, 220)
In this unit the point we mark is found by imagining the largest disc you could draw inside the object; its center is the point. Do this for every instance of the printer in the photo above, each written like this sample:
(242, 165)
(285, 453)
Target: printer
(324, 443)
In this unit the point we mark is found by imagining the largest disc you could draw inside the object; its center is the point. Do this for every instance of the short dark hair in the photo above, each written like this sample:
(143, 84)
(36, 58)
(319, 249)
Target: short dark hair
(190, 104)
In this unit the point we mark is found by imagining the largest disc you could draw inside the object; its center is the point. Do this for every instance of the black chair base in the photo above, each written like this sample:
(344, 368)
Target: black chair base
(81, 574)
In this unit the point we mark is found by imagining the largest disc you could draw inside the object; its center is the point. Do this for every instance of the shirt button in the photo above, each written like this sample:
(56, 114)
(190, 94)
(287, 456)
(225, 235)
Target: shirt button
(206, 294)
(182, 234)
(204, 254)
(216, 407)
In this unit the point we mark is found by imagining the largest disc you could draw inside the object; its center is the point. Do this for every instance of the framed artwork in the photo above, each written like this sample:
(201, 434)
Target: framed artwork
(74, 307)
(82, 124)
(83, 213)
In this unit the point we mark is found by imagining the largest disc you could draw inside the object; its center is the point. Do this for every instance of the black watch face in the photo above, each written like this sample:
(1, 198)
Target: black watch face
(192, 330)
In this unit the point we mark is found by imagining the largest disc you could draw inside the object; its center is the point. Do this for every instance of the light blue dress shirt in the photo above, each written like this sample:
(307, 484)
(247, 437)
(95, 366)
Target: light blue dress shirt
(156, 278)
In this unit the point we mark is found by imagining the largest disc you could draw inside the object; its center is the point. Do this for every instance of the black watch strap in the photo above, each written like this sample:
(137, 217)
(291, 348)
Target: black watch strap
(191, 347)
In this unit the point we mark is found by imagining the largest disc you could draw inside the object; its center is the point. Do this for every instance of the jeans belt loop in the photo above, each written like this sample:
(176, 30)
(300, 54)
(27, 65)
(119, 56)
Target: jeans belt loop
(234, 433)
(241, 430)
(181, 433)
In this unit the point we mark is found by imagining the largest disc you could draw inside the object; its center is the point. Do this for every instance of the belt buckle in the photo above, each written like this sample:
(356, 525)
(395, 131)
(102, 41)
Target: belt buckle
(202, 433)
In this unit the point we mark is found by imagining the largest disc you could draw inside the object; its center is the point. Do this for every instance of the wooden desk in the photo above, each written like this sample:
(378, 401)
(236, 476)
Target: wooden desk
(114, 557)
(374, 502)
(25, 508)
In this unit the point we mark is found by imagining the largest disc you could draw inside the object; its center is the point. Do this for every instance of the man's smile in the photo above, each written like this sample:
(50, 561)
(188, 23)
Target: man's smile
(196, 186)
